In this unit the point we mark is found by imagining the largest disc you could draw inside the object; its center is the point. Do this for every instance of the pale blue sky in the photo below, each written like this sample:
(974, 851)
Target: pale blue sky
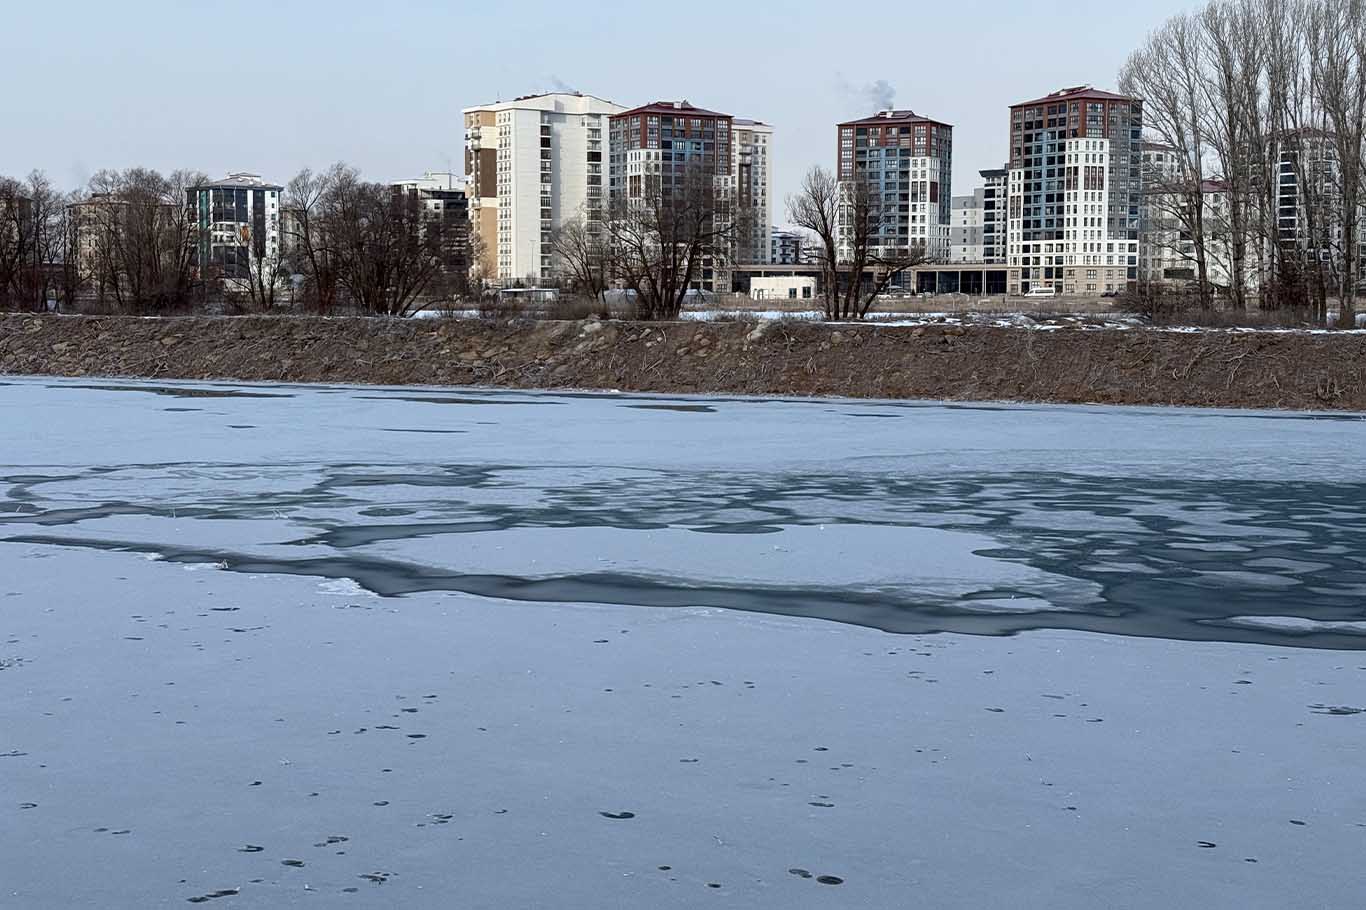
(270, 87)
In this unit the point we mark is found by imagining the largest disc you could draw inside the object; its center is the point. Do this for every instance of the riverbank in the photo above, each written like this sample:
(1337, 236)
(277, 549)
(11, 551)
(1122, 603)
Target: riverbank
(1252, 369)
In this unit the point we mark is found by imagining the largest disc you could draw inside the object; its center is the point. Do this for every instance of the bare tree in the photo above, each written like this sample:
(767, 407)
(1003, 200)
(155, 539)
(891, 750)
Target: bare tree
(815, 208)
(15, 240)
(667, 238)
(136, 238)
(872, 249)
(259, 286)
(583, 257)
(1338, 46)
(1232, 61)
(482, 267)
(1293, 31)
(1165, 72)
(46, 205)
(856, 236)
(66, 242)
(1270, 95)
(309, 250)
(384, 258)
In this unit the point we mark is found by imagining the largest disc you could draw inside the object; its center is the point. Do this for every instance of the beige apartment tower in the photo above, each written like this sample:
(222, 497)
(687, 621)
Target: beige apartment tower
(532, 164)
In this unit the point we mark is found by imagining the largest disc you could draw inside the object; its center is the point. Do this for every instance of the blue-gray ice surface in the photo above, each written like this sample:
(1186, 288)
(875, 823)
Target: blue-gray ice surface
(270, 646)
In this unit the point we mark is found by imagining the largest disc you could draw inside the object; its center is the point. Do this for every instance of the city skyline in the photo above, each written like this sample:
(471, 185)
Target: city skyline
(384, 89)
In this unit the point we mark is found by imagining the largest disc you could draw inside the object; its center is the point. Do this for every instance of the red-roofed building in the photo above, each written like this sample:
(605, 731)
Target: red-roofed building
(667, 148)
(666, 138)
(1075, 190)
(906, 162)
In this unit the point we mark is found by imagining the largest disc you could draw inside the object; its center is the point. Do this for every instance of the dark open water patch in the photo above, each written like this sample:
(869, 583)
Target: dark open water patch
(174, 391)
(681, 408)
(453, 399)
(1270, 562)
(418, 430)
(1164, 612)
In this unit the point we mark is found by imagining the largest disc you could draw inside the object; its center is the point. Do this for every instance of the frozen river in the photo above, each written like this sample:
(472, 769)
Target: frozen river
(269, 646)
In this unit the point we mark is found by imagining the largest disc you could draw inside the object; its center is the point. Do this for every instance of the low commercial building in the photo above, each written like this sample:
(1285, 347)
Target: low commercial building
(783, 287)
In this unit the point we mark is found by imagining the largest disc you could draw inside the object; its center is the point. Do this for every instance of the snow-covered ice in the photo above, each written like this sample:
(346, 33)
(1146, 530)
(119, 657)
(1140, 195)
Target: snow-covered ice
(502, 649)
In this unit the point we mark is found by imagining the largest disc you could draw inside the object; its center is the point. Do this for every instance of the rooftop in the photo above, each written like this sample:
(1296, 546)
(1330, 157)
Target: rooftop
(893, 116)
(684, 108)
(241, 180)
(537, 97)
(1078, 92)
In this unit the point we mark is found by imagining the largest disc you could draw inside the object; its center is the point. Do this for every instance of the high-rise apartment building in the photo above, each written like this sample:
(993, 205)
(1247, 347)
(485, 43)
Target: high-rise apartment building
(673, 147)
(995, 225)
(904, 162)
(238, 221)
(752, 150)
(1075, 189)
(533, 164)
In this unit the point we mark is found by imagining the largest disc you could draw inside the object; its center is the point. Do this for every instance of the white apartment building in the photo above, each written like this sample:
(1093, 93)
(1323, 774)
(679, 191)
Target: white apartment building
(965, 228)
(1075, 186)
(751, 157)
(533, 164)
(238, 221)
(436, 181)
(785, 247)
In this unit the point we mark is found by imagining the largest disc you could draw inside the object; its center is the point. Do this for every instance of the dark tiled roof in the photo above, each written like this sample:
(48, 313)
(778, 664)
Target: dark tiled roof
(882, 118)
(680, 109)
(1076, 92)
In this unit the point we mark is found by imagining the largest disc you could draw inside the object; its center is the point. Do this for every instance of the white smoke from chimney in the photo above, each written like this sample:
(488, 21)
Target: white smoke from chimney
(876, 96)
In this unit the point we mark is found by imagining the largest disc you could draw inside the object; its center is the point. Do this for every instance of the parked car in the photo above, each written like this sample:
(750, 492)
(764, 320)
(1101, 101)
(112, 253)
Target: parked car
(1042, 292)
